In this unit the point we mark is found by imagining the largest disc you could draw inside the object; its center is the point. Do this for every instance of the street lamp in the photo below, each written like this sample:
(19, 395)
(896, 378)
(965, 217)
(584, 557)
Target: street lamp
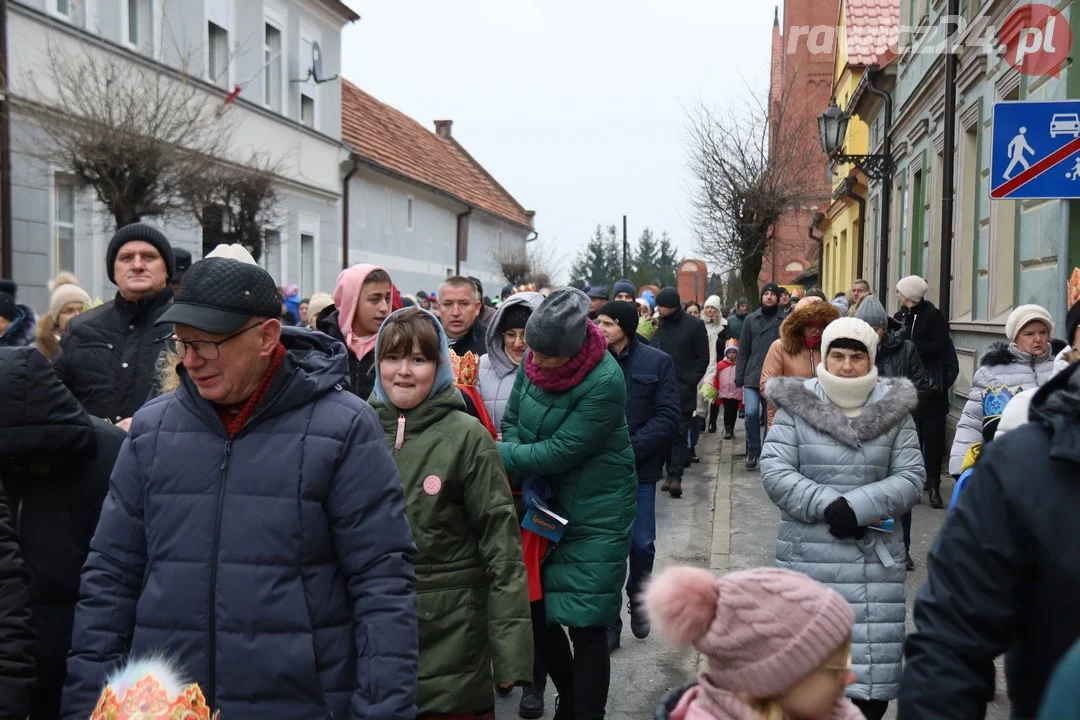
(832, 128)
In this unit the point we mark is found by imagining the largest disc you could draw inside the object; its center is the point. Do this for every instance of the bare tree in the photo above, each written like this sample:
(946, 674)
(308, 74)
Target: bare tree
(535, 263)
(133, 131)
(750, 167)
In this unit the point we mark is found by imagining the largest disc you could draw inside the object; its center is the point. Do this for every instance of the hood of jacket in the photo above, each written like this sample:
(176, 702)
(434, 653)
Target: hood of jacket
(421, 417)
(1056, 406)
(889, 403)
(495, 351)
(444, 375)
(37, 411)
(21, 330)
(791, 339)
(1002, 353)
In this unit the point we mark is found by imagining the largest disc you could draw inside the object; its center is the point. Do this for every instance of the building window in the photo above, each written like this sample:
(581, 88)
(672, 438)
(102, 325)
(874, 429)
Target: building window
(918, 216)
(217, 43)
(274, 61)
(61, 8)
(307, 110)
(307, 263)
(409, 215)
(64, 224)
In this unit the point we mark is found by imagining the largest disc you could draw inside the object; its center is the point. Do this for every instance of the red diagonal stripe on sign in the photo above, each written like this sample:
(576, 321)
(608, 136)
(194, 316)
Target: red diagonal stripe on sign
(1003, 190)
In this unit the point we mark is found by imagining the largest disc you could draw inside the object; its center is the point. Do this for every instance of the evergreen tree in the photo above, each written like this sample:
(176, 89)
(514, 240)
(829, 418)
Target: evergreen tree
(667, 263)
(644, 263)
(600, 262)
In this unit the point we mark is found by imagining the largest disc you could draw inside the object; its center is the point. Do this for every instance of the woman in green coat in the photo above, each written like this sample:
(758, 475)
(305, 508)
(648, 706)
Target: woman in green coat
(564, 431)
(471, 588)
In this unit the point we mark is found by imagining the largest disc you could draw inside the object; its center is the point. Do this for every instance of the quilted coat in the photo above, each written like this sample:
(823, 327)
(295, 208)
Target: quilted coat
(497, 372)
(274, 568)
(814, 455)
(471, 589)
(16, 632)
(1003, 364)
(578, 440)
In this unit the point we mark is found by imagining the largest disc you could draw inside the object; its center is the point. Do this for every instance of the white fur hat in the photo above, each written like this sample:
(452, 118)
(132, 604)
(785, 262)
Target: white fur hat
(234, 252)
(913, 287)
(851, 329)
(1023, 315)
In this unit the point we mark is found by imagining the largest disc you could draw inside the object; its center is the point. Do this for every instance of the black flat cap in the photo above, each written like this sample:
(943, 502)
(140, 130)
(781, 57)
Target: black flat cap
(221, 294)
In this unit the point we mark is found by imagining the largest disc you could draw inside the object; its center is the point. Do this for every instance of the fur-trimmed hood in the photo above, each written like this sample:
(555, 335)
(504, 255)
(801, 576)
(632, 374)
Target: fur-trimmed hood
(791, 339)
(1003, 353)
(889, 403)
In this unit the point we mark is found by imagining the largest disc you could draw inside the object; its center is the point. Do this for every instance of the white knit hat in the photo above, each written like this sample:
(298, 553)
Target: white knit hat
(851, 329)
(913, 287)
(66, 289)
(1023, 315)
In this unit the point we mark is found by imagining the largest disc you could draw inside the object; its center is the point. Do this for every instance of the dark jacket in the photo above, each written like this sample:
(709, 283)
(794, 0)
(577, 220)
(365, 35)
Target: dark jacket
(897, 357)
(759, 330)
(57, 461)
(685, 339)
(274, 567)
(653, 408)
(925, 326)
(16, 635)
(20, 333)
(108, 357)
(735, 323)
(361, 370)
(472, 341)
(1003, 573)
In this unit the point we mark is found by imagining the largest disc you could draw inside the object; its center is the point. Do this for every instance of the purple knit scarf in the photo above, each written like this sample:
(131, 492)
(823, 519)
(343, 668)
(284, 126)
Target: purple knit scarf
(570, 375)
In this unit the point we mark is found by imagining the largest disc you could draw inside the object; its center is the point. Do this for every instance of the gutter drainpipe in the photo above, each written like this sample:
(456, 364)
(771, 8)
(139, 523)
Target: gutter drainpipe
(346, 183)
(886, 184)
(861, 201)
(948, 170)
(6, 263)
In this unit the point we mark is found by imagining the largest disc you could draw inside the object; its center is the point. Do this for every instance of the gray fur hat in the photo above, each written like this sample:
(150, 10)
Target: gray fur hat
(558, 327)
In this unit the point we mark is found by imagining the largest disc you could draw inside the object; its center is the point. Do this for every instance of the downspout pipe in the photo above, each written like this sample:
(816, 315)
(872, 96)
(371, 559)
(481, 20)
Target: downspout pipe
(345, 185)
(861, 232)
(462, 237)
(6, 263)
(948, 170)
(886, 184)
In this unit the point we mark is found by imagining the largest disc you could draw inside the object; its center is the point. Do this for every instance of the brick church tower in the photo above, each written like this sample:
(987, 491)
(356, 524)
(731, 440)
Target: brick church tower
(801, 78)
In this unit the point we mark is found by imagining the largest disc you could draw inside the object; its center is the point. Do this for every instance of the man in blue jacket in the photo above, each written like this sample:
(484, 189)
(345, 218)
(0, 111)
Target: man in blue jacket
(653, 413)
(254, 532)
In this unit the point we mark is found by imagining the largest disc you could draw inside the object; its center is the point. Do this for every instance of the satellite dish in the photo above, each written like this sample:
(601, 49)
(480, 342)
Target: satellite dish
(316, 62)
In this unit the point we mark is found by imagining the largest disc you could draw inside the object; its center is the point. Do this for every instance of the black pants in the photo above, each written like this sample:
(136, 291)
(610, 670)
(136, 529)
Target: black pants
(539, 629)
(714, 411)
(905, 522)
(680, 447)
(872, 709)
(583, 675)
(45, 704)
(932, 436)
(731, 413)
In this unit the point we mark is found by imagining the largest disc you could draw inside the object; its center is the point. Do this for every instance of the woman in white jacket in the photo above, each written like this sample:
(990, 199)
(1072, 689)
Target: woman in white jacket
(715, 324)
(506, 347)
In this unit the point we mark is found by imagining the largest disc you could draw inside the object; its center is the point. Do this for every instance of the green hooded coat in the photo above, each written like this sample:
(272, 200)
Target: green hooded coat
(578, 441)
(472, 591)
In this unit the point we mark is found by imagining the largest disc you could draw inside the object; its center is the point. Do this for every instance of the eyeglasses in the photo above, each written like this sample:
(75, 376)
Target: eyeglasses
(513, 336)
(205, 349)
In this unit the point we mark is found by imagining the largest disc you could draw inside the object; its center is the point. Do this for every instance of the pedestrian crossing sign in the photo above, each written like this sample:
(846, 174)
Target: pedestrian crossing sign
(1035, 150)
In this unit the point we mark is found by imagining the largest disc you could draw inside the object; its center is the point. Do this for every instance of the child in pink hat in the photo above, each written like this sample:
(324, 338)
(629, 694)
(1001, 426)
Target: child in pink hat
(778, 644)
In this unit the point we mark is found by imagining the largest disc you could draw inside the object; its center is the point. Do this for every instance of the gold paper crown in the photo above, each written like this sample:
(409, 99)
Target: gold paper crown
(466, 369)
(149, 699)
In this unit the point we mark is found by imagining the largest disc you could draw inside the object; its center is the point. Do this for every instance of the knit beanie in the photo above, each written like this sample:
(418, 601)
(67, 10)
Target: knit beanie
(913, 287)
(9, 310)
(851, 329)
(872, 313)
(625, 286)
(624, 314)
(762, 630)
(669, 298)
(516, 317)
(1025, 314)
(648, 297)
(557, 328)
(65, 289)
(773, 288)
(319, 301)
(145, 233)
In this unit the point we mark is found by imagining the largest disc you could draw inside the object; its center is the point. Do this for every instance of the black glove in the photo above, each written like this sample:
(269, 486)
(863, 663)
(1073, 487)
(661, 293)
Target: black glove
(842, 521)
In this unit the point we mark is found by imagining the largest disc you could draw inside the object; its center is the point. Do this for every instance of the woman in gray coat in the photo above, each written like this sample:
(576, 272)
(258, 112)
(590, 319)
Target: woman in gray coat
(506, 347)
(843, 464)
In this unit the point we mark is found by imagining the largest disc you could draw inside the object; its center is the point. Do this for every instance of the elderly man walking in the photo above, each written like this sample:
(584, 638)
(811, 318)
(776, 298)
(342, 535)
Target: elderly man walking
(254, 532)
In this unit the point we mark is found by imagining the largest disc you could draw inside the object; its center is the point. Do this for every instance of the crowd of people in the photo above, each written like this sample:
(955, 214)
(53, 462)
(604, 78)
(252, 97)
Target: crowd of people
(367, 504)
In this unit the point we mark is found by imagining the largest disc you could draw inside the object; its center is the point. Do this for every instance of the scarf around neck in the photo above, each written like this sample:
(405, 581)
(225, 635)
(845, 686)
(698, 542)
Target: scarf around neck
(570, 375)
(848, 394)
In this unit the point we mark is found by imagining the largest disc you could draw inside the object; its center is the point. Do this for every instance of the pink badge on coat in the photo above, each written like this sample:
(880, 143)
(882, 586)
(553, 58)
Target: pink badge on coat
(432, 484)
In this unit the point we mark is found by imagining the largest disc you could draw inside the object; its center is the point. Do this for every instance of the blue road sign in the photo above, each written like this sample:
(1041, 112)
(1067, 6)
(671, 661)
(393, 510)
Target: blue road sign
(1035, 150)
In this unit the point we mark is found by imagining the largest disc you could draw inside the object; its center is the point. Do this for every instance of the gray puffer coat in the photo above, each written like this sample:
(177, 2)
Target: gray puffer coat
(497, 372)
(1001, 364)
(813, 455)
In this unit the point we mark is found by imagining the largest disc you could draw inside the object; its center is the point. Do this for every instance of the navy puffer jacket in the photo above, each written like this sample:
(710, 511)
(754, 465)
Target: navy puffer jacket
(273, 568)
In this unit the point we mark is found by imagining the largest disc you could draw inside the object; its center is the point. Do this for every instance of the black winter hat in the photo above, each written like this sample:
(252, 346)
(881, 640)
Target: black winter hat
(625, 315)
(221, 294)
(773, 288)
(669, 298)
(139, 231)
(9, 310)
(516, 316)
(597, 292)
(182, 262)
(1072, 321)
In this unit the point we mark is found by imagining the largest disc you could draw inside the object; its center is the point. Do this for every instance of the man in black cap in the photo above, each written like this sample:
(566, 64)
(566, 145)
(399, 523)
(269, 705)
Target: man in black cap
(182, 261)
(759, 331)
(598, 296)
(685, 339)
(108, 357)
(255, 530)
(653, 413)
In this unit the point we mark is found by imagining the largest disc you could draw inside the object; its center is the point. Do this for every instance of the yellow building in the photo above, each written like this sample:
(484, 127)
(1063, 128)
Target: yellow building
(842, 225)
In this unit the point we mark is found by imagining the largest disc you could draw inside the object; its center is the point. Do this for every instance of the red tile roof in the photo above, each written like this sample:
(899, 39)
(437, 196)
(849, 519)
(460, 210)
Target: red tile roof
(872, 27)
(388, 138)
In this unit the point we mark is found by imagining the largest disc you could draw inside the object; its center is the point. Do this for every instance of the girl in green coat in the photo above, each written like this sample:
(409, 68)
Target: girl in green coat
(564, 430)
(472, 592)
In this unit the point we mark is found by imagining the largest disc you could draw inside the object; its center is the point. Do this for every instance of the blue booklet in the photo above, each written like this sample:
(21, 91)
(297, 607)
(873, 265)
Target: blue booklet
(545, 523)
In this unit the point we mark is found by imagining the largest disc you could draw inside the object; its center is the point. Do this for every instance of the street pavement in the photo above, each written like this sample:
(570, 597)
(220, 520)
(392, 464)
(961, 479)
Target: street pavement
(724, 521)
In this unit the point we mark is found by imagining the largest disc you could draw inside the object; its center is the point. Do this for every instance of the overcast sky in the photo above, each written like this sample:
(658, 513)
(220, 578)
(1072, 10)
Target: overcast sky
(576, 107)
